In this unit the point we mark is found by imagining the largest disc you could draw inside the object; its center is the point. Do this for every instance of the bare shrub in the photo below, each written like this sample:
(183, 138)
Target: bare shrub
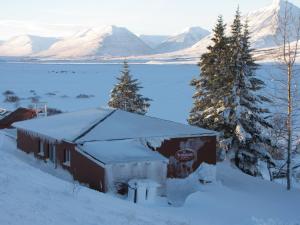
(11, 98)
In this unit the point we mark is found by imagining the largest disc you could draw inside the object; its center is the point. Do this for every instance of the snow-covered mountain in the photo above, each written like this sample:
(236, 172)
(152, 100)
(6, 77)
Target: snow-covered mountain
(25, 45)
(111, 41)
(263, 26)
(183, 40)
(118, 42)
(154, 40)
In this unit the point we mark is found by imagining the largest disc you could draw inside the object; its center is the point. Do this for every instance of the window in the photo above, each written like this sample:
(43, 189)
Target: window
(41, 148)
(67, 157)
(52, 153)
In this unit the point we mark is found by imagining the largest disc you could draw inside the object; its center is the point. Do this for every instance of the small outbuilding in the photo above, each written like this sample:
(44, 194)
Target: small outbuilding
(110, 149)
(7, 118)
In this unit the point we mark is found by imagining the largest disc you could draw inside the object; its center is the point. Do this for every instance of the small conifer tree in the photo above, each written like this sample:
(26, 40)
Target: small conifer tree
(125, 94)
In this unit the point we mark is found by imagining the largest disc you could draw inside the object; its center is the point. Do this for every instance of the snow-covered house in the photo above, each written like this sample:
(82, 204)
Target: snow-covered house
(109, 148)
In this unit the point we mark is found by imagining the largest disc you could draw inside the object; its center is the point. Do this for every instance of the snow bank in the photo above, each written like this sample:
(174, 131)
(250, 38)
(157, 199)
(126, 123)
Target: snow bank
(179, 189)
(238, 199)
(206, 173)
(32, 196)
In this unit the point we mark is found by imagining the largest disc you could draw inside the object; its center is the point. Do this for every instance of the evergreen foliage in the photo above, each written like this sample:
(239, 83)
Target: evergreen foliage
(248, 113)
(227, 96)
(210, 86)
(125, 94)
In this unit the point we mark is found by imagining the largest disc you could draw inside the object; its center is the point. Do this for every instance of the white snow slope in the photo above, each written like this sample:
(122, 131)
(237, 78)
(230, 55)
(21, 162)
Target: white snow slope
(263, 27)
(183, 40)
(110, 41)
(115, 42)
(264, 23)
(153, 40)
(25, 45)
(29, 195)
(32, 193)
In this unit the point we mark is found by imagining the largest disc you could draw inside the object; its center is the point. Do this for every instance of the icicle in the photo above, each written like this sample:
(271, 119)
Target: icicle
(40, 136)
(154, 142)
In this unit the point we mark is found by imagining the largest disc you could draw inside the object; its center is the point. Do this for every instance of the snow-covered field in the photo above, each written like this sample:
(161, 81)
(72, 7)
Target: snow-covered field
(31, 193)
(60, 84)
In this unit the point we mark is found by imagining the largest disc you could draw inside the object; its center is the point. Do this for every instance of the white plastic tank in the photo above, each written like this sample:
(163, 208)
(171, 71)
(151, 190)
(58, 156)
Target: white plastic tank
(132, 191)
(151, 191)
(142, 191)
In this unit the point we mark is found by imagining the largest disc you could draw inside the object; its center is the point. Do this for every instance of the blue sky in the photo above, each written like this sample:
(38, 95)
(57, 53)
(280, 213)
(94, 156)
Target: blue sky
(62, 17)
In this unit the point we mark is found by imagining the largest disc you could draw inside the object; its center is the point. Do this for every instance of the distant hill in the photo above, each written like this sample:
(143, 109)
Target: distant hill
(183, 40)
(25, 45)
(109, 41)
(114, 42)
(154, 40)
(263, 26)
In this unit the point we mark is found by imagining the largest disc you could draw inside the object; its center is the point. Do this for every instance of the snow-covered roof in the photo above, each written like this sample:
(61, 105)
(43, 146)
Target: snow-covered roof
(64, 126)
(109, 152)
(107, 124)
(125, 125)
(4, 113)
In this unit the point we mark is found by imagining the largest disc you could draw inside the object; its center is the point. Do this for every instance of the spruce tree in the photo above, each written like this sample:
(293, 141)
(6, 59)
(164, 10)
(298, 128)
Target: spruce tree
(210, 87)
(227, 97)
(125, 94)
(247, 116)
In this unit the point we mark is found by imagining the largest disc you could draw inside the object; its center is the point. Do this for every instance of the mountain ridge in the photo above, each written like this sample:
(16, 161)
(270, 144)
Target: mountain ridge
(263, 26)
(24, 45)
(113, 42)
(107, 41)
(183, 40)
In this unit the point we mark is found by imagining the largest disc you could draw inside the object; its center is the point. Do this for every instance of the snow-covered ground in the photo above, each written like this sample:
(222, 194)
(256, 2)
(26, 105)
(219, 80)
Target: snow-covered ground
(31, 193)
(59, 84)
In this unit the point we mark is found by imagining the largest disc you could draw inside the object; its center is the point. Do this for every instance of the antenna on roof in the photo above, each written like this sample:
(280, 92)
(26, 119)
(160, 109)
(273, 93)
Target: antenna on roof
(41, 109)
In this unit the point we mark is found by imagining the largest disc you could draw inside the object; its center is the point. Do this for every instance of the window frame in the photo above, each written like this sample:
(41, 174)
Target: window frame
(41, 148)
(67, 157)
(52, 153)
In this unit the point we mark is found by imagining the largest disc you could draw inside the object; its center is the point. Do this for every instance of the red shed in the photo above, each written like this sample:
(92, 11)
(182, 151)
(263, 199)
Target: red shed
(20, 114)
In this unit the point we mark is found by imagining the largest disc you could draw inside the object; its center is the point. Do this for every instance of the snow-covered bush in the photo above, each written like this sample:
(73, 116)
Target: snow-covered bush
(53, 111)
(84, 96)
(8, 92)
(179, 189)
(206, 173)
(12, 98)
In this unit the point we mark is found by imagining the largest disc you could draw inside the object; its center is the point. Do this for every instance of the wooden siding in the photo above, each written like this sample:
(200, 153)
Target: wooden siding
(81, 167)
(205, 152)
(87, 171)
